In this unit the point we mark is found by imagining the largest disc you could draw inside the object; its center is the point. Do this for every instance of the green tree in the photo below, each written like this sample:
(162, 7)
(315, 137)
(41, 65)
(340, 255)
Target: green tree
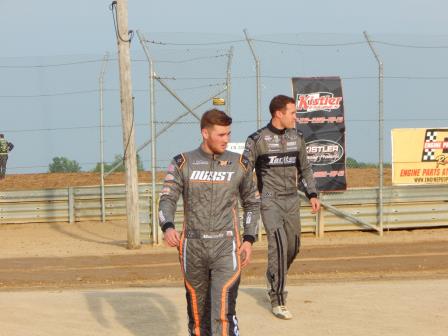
(118, 158)
(61, 164)
(352, 163)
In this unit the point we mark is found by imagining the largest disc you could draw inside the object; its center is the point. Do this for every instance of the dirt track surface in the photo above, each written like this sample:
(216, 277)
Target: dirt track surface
(380, 261)
(80, 280)
(373, 308)
(94, 254)
(365, 177)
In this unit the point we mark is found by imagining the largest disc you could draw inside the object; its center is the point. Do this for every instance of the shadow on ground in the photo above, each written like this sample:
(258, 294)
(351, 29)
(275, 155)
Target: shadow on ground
(141, 313)
(101, 239)
(259, 294)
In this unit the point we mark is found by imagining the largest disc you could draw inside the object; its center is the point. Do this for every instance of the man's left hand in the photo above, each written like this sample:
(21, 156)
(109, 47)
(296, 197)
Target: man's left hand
(315, 204)
(245, 253)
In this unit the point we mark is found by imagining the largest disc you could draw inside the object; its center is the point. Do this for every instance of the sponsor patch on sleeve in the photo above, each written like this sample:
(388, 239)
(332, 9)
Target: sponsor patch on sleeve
(169, 177)
(171, 168)
(244, 162)
(165, 191)
(180, 160)
(162, 217)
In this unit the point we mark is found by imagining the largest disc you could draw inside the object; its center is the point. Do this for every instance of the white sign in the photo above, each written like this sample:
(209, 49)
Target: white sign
(237, 147)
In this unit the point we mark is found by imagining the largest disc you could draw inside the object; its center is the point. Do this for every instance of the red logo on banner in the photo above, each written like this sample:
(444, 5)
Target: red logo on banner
(317, 101)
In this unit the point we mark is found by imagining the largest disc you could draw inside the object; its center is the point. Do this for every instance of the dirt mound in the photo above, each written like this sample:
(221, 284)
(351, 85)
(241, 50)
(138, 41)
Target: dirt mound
(365, 177)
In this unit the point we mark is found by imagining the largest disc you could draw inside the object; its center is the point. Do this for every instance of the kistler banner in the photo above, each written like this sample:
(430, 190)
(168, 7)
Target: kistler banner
(320, 112)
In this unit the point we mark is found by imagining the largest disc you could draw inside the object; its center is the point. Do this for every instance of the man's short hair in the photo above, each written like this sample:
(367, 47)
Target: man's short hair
(215, 117)
(278, 103)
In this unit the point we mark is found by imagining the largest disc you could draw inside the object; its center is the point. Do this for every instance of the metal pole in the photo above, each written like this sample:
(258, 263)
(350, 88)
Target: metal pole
(380, 130)
(101, 80)
(257, 70)
(229, 79)
(143, 146)
(152, 124)
(177, 97)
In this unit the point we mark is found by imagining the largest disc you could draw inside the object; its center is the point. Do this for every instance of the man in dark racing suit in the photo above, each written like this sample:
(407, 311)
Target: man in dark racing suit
(211, 180)
(278, 154)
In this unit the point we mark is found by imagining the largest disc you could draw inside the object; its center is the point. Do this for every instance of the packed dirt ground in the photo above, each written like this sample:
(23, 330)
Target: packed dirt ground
(356, 178)
(94, 254)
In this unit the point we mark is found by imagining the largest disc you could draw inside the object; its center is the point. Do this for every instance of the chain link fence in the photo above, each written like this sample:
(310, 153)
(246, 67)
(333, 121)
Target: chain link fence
(50, 105)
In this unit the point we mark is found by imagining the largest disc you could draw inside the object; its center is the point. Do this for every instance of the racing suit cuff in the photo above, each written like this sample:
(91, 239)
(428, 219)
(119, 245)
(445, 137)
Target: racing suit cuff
(249, 238)
(312, 195)
(167, 225)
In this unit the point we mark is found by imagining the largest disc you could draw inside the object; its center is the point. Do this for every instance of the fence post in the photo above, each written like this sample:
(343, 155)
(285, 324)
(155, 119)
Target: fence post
(380, 131)
(257, 71)
(71, 205)
(101, 87)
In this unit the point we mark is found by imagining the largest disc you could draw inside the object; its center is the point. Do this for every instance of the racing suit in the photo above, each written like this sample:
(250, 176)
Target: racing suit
(281, 165)
(209, 247)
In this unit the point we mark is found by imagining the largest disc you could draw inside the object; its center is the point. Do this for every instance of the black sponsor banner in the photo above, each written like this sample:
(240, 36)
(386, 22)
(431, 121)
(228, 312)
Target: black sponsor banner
(320, 113)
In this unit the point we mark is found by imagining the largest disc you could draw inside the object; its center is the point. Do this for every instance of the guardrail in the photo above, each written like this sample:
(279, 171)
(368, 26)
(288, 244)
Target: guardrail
(404, 207)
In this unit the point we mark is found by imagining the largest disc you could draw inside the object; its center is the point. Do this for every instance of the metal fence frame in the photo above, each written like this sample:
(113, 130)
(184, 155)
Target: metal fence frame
(404, 208)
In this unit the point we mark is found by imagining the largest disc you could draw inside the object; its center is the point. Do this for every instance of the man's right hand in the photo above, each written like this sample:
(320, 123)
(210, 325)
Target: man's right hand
(171, 237)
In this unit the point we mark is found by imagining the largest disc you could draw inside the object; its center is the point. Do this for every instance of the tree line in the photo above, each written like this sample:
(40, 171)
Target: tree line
(61, 164)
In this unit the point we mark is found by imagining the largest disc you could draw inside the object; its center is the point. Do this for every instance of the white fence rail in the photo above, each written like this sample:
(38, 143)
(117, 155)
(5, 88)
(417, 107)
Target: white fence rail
(404, 207)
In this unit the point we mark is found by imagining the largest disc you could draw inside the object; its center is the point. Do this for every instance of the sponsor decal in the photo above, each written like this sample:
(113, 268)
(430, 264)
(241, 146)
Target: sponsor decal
(291, 143)
(272, 147)
(321, 120)
(214, 176)
(161, 217)
(332, 173)
(317, 101)
(199, 162)
(249, 217)
(213, 236)
(267, 138)
(165, 191)
(171, 168)
(324, 152)
(275, 160)
(435, 146)
(169, 177)
(276, 138)
(224, 163)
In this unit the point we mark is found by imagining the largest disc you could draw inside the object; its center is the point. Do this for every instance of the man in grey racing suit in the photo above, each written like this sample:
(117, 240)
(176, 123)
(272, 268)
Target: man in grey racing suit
(210, 180)
(278, 154)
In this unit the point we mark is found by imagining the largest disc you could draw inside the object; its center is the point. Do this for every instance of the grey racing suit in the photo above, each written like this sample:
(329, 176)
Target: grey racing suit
(281, 165)
(209, 248)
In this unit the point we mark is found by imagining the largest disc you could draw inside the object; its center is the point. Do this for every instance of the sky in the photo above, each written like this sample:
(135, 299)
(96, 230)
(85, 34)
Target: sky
(53, 32)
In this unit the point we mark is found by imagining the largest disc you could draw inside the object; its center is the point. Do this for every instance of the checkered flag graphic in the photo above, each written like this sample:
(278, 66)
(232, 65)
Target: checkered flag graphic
(429, 154)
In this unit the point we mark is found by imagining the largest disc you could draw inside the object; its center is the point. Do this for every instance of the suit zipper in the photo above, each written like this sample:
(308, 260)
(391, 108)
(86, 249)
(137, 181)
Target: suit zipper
(211, 196)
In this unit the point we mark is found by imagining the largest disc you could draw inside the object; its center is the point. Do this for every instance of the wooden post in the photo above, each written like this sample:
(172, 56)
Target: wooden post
(130, 157)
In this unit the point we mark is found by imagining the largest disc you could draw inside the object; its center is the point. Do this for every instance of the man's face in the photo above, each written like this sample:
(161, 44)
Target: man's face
(288, 117)
(216, 137)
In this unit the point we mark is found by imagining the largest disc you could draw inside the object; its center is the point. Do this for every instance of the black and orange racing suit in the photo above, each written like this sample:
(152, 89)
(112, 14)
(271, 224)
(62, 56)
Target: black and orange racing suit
(211, 186)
